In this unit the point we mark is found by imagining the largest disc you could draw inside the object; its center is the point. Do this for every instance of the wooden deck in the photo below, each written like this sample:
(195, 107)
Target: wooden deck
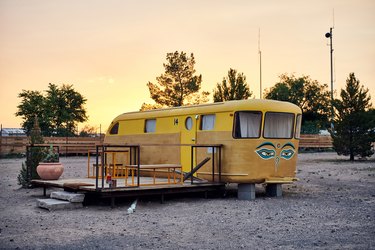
(88, 186)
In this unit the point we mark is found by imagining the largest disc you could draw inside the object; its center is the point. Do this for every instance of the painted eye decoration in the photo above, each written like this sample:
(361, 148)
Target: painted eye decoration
(266, 153)
(287, 151)
(287, 154)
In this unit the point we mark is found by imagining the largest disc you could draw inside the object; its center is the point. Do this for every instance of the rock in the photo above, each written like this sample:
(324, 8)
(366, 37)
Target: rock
(53, 204)
(68, 196)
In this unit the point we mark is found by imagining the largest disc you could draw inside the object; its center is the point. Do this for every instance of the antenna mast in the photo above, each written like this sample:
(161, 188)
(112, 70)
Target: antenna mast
(260, 67)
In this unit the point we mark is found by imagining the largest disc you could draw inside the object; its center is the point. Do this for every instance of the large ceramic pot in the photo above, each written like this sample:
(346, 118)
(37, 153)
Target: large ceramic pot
(50, 170)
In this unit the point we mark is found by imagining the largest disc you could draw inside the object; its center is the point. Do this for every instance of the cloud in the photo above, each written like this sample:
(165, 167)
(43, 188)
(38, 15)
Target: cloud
(102, 80)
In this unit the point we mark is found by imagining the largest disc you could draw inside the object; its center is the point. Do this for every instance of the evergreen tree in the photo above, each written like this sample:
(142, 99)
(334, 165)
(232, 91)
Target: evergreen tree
(147, 106)
(354, 130)
(233, 87)
(35, 155)
(178, 85)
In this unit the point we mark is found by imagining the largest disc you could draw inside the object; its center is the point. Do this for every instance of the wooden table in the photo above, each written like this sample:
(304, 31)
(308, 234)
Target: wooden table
(169, 169)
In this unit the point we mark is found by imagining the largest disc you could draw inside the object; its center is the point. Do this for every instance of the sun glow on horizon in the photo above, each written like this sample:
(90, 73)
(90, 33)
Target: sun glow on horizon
(109, 52)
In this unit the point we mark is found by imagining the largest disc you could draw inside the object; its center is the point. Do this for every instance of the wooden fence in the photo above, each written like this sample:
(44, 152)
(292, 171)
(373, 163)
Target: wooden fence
(68, 145)
(315, 141)
(81, 145)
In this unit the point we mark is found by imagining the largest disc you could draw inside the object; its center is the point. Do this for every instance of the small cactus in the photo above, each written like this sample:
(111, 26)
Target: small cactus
(51, 155)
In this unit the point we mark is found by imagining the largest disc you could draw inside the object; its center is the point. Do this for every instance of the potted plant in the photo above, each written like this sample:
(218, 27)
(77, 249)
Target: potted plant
(50, 168)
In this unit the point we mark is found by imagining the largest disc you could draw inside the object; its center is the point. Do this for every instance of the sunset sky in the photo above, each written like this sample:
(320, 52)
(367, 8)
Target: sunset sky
(110, 49)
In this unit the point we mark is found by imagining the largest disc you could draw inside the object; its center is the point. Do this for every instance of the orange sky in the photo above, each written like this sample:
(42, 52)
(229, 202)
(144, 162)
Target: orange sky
(110, 49)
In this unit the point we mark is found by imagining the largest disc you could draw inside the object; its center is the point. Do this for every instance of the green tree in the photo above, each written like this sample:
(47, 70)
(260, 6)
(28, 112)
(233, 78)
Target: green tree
(233, 87)
(65, 108)
(59, 110)
(355, 121)
(278, 92)
(33, 104)
(178, 85)
(313, 98)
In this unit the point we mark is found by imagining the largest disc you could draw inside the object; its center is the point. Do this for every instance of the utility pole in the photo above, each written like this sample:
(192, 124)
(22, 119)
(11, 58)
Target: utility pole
(329, 35)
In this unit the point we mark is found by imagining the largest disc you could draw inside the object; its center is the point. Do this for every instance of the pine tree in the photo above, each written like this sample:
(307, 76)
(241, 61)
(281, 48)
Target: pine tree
(355, 122)
(35, 154)
(233, 87)
(178, 85)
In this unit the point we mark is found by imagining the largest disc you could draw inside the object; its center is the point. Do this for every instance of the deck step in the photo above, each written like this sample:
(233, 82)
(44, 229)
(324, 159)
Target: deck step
(54, 204)
(68, 196)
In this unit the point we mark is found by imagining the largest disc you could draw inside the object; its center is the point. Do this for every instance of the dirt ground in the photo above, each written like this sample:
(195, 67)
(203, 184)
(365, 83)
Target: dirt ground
(332, 206)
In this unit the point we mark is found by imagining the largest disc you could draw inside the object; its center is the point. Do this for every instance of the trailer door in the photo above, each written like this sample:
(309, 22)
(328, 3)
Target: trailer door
(188, 136)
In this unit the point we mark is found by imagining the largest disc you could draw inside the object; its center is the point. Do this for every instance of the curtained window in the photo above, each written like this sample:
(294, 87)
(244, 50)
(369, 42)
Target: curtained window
(208, 122)
(150, 126)
(278, 125)
(247, 124)
(298, 126)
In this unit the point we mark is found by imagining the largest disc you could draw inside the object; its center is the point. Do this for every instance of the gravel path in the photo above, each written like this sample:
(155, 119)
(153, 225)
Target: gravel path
(332, 206)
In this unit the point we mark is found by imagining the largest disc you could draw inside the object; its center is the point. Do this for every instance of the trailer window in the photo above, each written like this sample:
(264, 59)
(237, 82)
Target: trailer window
(298, 126)
(189, 123)
(150, 125)
(208, 122)
(114, 129)
(278, 125)
(247, 124)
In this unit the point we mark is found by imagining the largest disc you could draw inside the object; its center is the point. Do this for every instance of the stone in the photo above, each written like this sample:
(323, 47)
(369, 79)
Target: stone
(274, 190)
(53, 204)
(68, 196)
(246, 191)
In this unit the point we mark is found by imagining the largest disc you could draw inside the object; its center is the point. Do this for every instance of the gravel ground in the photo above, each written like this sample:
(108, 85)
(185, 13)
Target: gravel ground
(332, 206)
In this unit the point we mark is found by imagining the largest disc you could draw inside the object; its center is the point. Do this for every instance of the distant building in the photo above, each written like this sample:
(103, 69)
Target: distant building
(12, 132)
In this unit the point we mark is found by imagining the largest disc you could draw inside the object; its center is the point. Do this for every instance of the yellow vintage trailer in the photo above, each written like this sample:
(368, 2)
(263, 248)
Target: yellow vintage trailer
(259, 138)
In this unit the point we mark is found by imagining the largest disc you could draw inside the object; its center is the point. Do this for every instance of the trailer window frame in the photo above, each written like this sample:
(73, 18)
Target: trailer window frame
(114, 129)
(188, 123)
(203, 120)
(236, 130)
(150, 125)
(265, 123)
(297, 132)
